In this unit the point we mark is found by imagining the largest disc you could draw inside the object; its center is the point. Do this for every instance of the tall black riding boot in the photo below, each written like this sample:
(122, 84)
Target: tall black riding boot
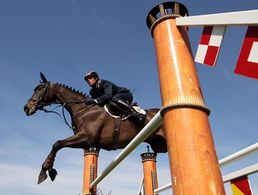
(140, 117)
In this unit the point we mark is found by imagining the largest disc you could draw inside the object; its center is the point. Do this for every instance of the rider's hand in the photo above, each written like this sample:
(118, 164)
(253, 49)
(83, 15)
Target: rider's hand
(91, 101)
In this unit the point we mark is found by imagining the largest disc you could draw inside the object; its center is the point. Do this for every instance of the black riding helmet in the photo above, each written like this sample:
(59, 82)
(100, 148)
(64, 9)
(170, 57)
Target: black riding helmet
(91, 74)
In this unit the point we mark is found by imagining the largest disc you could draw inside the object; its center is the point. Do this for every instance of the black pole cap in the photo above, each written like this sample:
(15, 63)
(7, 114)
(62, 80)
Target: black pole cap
(165, 10)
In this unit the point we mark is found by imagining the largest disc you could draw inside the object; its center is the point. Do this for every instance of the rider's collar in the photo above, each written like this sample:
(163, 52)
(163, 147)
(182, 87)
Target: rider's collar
(97, 84)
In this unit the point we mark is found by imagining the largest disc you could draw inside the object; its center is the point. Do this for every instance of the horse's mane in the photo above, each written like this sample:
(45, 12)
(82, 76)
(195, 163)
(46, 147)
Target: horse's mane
(72, 89)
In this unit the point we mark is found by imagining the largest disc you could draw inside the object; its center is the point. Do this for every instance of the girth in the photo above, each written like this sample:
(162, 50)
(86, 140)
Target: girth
(117, 125)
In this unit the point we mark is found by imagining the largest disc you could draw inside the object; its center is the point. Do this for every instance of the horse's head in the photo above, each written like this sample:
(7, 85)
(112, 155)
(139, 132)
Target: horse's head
(38, 99)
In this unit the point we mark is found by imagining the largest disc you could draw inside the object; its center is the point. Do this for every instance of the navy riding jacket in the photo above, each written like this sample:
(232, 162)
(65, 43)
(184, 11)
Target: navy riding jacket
(104, 90)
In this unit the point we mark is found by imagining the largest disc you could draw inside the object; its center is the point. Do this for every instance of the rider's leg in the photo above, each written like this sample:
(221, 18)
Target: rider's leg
(121, 101)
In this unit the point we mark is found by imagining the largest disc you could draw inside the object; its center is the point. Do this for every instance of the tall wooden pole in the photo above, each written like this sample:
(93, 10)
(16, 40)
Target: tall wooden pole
(193, 161)
(90, 171)
(150, 178)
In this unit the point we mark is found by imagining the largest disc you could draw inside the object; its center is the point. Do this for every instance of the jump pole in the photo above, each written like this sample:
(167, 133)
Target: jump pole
(90, 171)
(193, 161)
(150, 178)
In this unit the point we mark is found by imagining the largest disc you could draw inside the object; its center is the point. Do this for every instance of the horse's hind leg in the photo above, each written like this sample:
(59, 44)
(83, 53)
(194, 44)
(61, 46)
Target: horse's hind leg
(75, 141)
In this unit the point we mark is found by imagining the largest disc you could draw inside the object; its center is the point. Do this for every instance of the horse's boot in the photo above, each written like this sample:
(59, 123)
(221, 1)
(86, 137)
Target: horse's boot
(52, 174)
(131, 111)
(42, 176)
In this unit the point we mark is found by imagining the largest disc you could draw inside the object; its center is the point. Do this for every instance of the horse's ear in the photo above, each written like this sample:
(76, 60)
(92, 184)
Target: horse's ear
(43, 78)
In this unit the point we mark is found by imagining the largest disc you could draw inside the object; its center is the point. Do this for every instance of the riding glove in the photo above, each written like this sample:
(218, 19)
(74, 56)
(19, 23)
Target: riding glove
(91, 101)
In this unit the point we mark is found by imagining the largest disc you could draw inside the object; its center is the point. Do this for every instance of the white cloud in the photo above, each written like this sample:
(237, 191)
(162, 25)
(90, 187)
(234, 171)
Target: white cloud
(24, 178)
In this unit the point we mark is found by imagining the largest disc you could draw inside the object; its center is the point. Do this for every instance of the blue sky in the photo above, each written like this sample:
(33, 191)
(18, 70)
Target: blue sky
(64, 39)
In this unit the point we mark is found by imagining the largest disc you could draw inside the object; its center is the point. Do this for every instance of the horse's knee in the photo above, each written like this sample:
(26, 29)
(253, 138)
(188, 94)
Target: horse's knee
(56, 146)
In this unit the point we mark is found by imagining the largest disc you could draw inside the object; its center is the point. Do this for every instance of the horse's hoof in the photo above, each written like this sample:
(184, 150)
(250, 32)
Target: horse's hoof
(52, 174)
(42, 177)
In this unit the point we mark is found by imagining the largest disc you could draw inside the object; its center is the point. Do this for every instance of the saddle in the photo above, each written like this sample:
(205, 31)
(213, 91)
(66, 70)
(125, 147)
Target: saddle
(116, 111)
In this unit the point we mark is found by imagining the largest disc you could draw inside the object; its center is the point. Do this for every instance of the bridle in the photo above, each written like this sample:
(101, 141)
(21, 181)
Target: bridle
(39, 104)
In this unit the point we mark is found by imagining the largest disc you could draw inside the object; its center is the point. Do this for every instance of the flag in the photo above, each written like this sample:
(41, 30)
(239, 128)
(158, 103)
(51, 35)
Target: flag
(247, 64)
(241, 186)
(209, 46)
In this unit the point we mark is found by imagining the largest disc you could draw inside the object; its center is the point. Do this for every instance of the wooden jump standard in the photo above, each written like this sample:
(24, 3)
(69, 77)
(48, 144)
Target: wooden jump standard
(193, 161)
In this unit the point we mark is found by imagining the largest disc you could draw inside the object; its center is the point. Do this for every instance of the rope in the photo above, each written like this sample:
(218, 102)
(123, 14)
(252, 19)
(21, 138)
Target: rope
(189, 103)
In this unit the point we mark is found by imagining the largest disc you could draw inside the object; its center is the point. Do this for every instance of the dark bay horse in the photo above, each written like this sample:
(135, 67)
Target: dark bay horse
(92, 125)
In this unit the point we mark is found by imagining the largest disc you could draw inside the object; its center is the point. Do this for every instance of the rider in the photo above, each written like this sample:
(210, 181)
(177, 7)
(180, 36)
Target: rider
(103, 91)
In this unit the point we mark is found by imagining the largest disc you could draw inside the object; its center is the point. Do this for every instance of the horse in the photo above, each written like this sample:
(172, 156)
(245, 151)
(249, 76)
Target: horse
(92, 126)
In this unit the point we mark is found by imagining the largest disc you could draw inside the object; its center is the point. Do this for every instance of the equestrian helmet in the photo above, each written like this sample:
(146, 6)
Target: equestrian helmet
(91, 74)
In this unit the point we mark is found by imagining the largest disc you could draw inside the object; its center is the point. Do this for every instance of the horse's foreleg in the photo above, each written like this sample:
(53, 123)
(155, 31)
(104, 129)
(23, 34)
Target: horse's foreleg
(75, 141)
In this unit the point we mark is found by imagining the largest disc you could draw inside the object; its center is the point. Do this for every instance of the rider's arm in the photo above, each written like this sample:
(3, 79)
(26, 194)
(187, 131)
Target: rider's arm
(107, 88)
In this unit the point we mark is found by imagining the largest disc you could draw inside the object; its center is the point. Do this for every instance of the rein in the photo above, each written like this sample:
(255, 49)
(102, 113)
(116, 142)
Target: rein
(63, 117)
(63, 113)
(40, 105)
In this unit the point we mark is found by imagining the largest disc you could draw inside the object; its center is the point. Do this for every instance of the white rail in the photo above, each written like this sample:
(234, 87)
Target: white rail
(140, 187)
(245, 171)
(230, 18)
(225, 161)
(153, 124)
(238, 155)
(163, 188)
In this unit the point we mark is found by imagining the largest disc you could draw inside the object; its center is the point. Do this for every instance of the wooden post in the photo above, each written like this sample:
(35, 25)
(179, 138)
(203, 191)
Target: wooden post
(193, 161)
(150, 179)
(90, 170)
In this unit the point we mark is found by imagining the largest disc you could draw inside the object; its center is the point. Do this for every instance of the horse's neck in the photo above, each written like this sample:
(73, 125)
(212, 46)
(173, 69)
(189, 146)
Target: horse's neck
(68, 98)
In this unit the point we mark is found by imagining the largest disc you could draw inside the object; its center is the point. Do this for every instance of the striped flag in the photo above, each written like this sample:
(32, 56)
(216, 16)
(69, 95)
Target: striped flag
(209, 46)
(241, 186)
(247, 64)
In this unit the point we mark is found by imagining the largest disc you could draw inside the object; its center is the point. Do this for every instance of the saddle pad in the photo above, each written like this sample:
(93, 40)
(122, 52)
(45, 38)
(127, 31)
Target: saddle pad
(114, 116)
(136, 108)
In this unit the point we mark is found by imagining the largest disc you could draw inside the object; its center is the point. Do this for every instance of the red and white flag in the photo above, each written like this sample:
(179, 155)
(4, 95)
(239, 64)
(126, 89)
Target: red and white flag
(209, 46)
(247, 64)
